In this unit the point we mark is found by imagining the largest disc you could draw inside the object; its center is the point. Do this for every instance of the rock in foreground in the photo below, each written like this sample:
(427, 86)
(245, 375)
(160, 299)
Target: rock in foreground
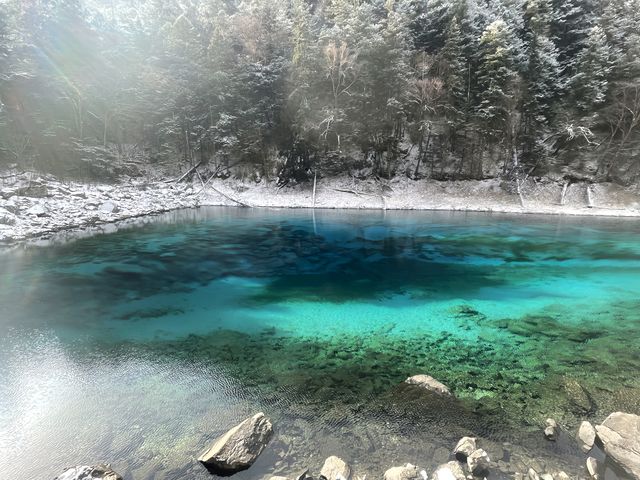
(479, 463)
(407, 472)
(86, 472)
(586, 436)
(429, 383)
(238, 448)
(551, 429)
(592, 468)
(335, 468)
(449, 471)
(465, 447)
(620, 436)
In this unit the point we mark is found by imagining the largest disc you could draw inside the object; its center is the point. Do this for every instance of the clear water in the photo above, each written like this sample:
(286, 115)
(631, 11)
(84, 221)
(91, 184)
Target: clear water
(139, 347)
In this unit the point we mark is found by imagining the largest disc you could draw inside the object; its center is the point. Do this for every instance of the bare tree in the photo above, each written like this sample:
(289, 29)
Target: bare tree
(425, 95)
(342, 71)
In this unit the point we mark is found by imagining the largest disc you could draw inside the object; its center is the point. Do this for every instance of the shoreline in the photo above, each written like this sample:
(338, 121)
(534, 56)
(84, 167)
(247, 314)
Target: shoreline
(32, 209)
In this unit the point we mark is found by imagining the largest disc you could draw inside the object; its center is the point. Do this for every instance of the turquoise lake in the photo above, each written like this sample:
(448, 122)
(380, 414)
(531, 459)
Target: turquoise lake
(140, 346)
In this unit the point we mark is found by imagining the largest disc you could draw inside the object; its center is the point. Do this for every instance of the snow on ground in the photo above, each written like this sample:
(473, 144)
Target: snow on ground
(36, 206)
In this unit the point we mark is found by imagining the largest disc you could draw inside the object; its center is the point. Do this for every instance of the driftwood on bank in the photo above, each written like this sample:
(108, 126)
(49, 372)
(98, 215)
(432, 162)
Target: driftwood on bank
(188, 172)
(353, 192)
(204, 186)
(359, 194)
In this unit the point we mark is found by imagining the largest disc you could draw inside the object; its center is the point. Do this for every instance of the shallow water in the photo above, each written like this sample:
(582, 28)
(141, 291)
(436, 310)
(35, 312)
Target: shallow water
(139, 347)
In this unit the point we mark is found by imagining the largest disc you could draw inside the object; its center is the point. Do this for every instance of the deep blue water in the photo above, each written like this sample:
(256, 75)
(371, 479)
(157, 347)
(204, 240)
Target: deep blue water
(140, 346)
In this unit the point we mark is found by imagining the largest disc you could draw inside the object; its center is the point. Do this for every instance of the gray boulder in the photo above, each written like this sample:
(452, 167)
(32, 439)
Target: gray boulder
(335, 468)
(35, 190)
(586, 436)
(465, 447)
(86, 472)
(428, 383)
(108, 207)
(7, 193)
(238, 448)
(407, 472)
(551, 429)
(479, 463)
(6, 217)
(449, 471)
(620, 436)
(38, 210)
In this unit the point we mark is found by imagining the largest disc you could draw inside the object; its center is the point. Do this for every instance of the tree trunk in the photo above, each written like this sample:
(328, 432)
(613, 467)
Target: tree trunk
(315, 173)
(565, 187)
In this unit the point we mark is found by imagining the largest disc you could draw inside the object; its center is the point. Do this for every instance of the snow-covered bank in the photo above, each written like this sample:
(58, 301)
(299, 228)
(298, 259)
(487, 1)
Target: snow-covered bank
(492, 195)
(33, 206)
(41, 206)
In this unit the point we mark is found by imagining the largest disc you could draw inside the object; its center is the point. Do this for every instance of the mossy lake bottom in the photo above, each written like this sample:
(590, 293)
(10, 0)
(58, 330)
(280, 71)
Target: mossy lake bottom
(139, 347)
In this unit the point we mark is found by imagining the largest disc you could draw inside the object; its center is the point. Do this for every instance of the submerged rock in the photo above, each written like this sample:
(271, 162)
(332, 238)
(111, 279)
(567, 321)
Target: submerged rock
(86, 472)
(586, 436)
(449, 471)
(578, 396)
(335, 468)
(479, 463)
(428, 383)
(407, 472)
(551, 429)
(238, 448)
(620, 436)
(465, 447)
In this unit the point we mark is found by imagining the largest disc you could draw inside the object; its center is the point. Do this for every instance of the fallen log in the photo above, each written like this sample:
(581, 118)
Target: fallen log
(189, 172)
(242, 204)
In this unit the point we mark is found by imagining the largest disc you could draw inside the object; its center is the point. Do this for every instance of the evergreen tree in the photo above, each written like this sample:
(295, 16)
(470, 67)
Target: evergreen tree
(571, 22)
(454, 69)
(429, 26)
(455, 73)
(541, 79)
(293, 87)
(593, 66)
(496, 78)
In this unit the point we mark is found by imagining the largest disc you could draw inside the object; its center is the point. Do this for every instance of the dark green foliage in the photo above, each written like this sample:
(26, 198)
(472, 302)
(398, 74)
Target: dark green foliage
(290, 89)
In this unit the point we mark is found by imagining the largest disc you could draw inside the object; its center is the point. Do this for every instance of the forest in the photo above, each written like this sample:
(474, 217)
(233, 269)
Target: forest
(288, 89)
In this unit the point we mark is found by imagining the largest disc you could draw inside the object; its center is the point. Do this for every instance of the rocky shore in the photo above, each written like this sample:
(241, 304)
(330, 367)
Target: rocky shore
(612, 449)
(39, 206)
(33, 206)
